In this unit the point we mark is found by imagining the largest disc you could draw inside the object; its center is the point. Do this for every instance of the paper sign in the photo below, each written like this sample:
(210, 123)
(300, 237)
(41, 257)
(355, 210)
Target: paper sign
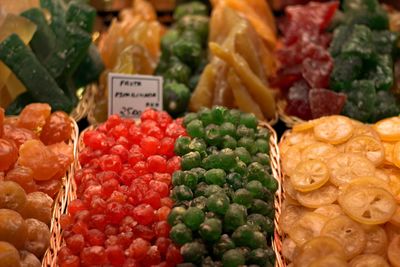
(130, 95)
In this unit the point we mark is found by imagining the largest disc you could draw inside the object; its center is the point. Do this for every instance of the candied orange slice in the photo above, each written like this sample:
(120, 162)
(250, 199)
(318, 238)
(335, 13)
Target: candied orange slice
(304, 126)
(367, 260)
(388, 152)
(291, 159)
(320, 151)
(377, 240)
(307, 227)
(369, 181)
(324, 195)
(367, 204)
(395, 220)
(331, 211)
(394, 251)
(388, 129)
(309, 175)
(396, 154)
(334, 129)
(288, 248)
(290, 215)
(367, 130)
(329, 261)
(368, 146)
(345, 167)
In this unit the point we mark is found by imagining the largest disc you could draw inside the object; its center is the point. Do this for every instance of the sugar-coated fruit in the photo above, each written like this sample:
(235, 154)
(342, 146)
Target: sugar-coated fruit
(38, 237)
(13, 228)
(9, 255)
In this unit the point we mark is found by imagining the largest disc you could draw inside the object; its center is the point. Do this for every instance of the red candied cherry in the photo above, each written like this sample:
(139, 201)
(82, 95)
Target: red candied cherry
(82, 216)
(147, 125)
(144, 214)
(86, 155)
(146, 178)
(95, 255)
(115, 212)
(131, 263)
(118, 197)
(108, 187)
(112, 121)
(106, 175)
(118, 130)
(135, 155)
(138, 249)
(143, 231)
(127, 224)
(110, 163)
(66, 221)
(94, 139)
(123, 141)
(97, 205)
(63, 253)
(75, 243)
(95, 237)
(149, 145)
(80, 228)
(160, 187)
(156, 163)
(120, 151)
(112, 240)
(163, 119)
(175, 130)
(149, 114)
(90, 192)
(127, 176)
(152, 257)
(98, 221)
(167, 202)
(115, 255)
(152, 198)
(155, 132)
(75, 206)
(125, 239)
(173, 256)
(167, 147)
(163, 212)
(163, 243)
(161, 229)
(135, 135)
(110, 230)
(163, 178)
(70, 261)
(173, 164)
(140, 168)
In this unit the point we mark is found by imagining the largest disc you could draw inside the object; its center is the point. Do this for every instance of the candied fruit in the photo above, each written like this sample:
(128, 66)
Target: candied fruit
(38, 206)
(13, 228)
(12, 196)
(33, 116)
(29, 260)
(9, 255)
(18, 135)
(22, 176)
(38, 237)
(56, 129)
(8, 154)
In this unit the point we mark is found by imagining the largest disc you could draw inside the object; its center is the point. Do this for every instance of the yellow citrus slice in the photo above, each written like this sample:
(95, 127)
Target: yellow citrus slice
(288, 248)
(367, 130)
(348, 233)
(331, 211)
(388, 129)
(329, 261)
(307, 227)
(368, 181)
(309, 175)
(394, 251)
(304, 126)
(388, 152)
(369, 260)
(290, 160)
(320, 151)
(381, 174)
(334, 129)
(394, 181)
(289, 189)
(377, 240)
(367, 204)
(368, 146)
(395, 220)
(345, 167)
(391, 231)
(396, 154)
(324, 195)
(289, 216)
(316, 249)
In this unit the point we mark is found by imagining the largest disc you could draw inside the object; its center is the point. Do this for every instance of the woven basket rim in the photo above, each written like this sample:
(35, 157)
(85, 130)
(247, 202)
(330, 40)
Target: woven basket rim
(84, 105)
(289, 120)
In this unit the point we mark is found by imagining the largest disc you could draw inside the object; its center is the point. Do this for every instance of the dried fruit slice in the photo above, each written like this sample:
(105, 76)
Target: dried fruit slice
(348, 233)
(394, 251)
(291, 159)
(304, 126)
(307, 227)
(334, 129)
(388, 147)
(331, 211)
(362, 129)
(395, 220)
(290, 215)
(377, 240)
(367, 204)
(309, 175)
(318, 102)
(367, 260)
(345, 167)
(368, 146)
(324, 195)
(368, 181)
(388, 129)
(288, 248)
(329, 261)
(319, 151)
(396, 154)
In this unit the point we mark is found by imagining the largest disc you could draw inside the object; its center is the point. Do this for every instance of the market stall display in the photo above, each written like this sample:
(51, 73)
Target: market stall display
(342, 189)
(37, 150)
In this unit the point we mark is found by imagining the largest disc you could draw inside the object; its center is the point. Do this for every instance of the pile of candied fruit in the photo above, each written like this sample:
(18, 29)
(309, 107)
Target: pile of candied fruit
(34, 157)
(119, 217)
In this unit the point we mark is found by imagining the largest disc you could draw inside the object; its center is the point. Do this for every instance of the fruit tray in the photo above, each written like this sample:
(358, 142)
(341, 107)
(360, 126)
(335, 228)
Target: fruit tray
(60, 204)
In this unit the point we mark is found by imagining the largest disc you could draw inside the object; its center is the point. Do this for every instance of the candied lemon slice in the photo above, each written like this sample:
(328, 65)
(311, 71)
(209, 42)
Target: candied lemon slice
(288, 248)
(368, 146)
(309, 175)
(369, 260)
(316, 249)
(388, 129)
(391, 231)
(377, 240)
(366, 204)
(367, 130)
(396, 154)
(291, 159)
(388, 152)
(320, 151)
(290, 215)
(305, 126)
(345, 167)
(307, 227)
(289, 189)
(329, 261)
(324, 195)
(334, 129)
(394, 251)
(395, 220)
(368, 181)
(331, 211)
(348, 233)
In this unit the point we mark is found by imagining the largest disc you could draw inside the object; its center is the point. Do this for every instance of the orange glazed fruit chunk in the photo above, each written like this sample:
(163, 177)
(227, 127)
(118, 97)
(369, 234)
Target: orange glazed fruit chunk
(33, 116)
(13, 228)
(22, 176)
(57, 128)
(9, 255)
(8, 154)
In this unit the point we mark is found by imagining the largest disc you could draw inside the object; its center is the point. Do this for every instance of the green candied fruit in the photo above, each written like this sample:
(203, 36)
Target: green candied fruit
(190, 180)
(218, 203)
(182, 145)
(218, 114)
(169, 38)
(200, 173)
(205, 116)
(243, 131)
(261, 257)
(271, 183)
(212, 189)
(235, 216)
(177, 75)
(262, 158)
(263, 208)
(243, 197)
(259, 240)
(243, 155)
(229, 142)
(188, 51)
(256, 172)
(211, 230)
(193, 251)
(244, 235)
(175, 215)
(180, 234)
(233, 116)
(213, 135)
(263, 133)
(249, 120)
(195, 128)
(262, 145)
(224, 244)
(265, 223)
(178, 178)
(198, 144)
(240, 167)
(228, 128)
(211, 161)
(227, 159)
(228, 191)
(209, 262)
(248, 143)
(200, 189)
(191, 160)
(215, 176)
(193, 8)
(233, 258)
(256, 189)
(182, 192)
(212, 150)
(188, 118)
(234, 180)
(199, 202)
(193, 217)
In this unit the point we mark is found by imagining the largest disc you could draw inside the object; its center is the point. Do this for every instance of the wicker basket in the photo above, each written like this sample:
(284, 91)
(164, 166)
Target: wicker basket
(60, 204)
(85, 104)
(289, 121)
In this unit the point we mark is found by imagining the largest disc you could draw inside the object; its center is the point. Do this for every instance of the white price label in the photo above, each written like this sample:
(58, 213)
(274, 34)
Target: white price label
(130, 95)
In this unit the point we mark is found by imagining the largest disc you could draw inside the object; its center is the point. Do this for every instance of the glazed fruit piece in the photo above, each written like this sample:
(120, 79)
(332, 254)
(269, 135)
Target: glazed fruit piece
(56, 129)
(28, 259)
(38, 206)
(8, 154)
(12, 196)
(38, 237)
(13, 228)
(9, 256)
(33, 116)
(22, 176)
